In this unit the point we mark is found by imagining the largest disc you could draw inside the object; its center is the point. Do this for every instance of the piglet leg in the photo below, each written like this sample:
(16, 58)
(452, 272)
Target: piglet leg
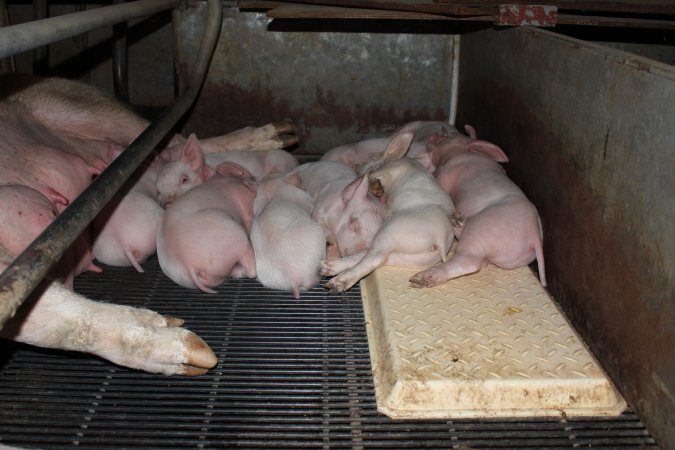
(131, 337)
(332, 267)
(273, 136)
(459, 265)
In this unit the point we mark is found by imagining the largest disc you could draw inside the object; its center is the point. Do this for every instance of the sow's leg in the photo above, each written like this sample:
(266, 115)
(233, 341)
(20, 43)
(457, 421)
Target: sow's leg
(56, 317)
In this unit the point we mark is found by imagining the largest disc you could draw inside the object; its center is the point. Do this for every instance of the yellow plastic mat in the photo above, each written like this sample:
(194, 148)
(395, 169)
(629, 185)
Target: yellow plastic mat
(491, 344)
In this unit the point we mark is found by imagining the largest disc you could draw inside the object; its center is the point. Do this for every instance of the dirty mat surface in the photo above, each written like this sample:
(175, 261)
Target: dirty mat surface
(490, 344)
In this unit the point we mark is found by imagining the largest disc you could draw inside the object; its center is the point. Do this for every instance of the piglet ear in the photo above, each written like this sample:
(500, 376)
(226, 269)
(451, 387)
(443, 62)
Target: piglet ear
(398, 146)
(470, 131)
(358, 187)
(233, 169)
(489, 149)
(191, 154)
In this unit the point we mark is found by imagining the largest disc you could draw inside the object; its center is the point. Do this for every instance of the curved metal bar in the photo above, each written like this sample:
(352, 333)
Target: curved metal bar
(30, 267)
(18, 38)
(120, 66)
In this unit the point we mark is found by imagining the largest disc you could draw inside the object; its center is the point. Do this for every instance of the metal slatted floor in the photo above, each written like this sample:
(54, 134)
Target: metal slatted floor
(291, 374)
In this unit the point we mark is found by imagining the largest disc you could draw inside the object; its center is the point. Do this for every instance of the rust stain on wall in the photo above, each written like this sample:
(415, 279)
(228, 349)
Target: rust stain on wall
(222, 108)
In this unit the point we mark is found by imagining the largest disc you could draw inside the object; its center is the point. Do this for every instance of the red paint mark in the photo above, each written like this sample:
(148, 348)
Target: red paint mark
(534, 15)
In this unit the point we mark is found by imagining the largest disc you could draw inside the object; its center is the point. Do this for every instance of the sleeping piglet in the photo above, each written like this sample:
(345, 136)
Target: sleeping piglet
(203, 237)
(288, 244)
(125, 231)
(187, 165)
(501, 226)
(418, 230)
(348, 214)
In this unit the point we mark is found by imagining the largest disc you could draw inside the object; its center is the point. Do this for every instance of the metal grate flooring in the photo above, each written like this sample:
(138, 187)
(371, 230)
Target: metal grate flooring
(291, 374)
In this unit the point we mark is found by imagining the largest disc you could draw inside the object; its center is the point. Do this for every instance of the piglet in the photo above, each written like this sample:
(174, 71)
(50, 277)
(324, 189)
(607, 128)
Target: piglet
(203, 237)
(423, 129)
(188, 166)
(125, 231)
(288, 244)
(349, 215)
(363, 155)
(501, 226)
(418, 230)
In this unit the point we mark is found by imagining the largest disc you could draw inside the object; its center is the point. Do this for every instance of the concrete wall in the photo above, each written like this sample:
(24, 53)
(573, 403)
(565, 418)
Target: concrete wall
(590, 133)
(337, 81)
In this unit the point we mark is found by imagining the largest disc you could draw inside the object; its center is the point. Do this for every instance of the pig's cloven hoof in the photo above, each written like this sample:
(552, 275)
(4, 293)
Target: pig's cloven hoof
(278, 135)
(336, 286)
(284, 128)
(142, 339)
(421, 280)
(200, 357)
(375, 188)
(327, 268)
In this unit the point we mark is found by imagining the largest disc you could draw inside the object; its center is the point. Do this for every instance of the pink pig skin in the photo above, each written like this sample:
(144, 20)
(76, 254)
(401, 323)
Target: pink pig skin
(288, 244)
(417, 230)
(363, 155)
(34, 156)
(202, 239)
(501, 226)
(125, 231)
(349, 215)
(25, 214)
(184, 166)
(423, 129)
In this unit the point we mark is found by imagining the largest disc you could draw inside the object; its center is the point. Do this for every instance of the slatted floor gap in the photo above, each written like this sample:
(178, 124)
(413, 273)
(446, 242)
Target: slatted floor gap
(291, 374)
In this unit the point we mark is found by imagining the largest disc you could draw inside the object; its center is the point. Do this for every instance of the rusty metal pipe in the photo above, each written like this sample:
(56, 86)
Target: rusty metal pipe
(30, 267)
(18, 38)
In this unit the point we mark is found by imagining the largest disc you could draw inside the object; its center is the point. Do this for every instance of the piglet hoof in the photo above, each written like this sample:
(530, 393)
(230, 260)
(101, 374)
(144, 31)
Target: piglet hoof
(423, 279)
(326, 268)
(375, 188)
(336, 286)
(456, 220)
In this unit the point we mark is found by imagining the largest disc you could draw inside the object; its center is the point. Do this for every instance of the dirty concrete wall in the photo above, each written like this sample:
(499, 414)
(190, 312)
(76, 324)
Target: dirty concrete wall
(88, 57)
(590, 133)
(337, 81)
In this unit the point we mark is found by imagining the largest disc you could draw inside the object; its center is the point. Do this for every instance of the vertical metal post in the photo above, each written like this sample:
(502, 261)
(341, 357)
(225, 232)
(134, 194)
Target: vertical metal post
(6, 64)
(40, 54)
(120, 68)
